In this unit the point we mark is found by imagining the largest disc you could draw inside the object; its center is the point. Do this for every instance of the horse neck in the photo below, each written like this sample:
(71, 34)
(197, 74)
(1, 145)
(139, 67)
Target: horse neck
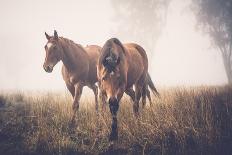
(72, 55)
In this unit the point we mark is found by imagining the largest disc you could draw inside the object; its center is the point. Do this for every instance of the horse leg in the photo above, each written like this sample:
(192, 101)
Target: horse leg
(103, 97)
(76, 100)
(95, 91)
(138, 91)
(131, 93)
(71, 89)
(114, 105)
(144, 95)
(149, 96)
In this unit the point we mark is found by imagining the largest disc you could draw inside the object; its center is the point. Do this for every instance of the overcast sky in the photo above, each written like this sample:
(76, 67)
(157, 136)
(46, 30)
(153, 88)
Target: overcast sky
(183, 56)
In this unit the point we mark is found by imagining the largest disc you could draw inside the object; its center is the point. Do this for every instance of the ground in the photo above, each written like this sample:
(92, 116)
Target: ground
(196, 120)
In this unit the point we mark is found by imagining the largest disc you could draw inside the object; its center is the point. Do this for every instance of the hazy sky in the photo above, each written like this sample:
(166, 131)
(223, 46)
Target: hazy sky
(182, 55)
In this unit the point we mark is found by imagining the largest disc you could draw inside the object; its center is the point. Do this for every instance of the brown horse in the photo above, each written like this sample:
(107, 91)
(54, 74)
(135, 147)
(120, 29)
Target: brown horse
(119, 68)
(79, 66)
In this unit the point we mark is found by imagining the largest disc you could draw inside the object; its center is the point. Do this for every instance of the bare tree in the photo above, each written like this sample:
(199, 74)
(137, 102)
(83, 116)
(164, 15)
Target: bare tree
(215, 18)
(139, 20)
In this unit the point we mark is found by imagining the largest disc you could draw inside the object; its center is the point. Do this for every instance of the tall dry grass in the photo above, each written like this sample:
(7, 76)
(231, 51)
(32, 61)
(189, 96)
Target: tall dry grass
(195, 120)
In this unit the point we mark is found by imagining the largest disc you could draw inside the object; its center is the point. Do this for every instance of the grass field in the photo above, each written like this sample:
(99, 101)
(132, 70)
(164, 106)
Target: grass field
(196, 120)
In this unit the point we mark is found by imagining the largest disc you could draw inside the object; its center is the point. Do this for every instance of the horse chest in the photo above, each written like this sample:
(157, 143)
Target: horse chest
(73, 79)
(69, 78)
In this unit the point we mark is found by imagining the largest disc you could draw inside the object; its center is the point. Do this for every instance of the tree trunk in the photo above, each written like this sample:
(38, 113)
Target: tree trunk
(228, 69)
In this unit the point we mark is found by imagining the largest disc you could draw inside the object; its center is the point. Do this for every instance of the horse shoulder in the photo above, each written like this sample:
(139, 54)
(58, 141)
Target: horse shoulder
(65, 74)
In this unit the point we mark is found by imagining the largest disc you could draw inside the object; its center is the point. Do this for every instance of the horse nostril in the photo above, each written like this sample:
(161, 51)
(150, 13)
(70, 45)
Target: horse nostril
(47, 69)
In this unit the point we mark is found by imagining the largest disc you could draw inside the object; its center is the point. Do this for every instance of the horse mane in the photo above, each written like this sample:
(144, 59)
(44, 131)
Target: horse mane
(110, 64)
(106, 48)
(104, 52)
(118, 42)
(71, 43)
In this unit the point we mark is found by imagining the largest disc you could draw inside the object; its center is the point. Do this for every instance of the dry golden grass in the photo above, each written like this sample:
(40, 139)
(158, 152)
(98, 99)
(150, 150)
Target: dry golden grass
(195, 120)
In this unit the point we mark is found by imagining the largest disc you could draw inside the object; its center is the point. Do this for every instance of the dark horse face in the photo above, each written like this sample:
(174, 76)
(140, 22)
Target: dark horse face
(53, 52)
(111, 78)
(111, 84)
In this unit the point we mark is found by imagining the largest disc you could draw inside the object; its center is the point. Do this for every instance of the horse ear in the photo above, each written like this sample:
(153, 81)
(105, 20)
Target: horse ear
(55, 34)
(47, 36)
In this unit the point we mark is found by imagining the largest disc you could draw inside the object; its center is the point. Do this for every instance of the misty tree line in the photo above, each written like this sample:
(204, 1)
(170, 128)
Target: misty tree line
(215, 18)
(138, 23)
(144, 20)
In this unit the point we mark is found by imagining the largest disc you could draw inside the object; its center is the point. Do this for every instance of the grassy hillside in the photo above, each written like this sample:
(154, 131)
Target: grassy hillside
(194, 120)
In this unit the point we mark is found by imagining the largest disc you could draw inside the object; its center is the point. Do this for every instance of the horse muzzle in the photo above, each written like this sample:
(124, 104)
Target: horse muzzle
(47, 68)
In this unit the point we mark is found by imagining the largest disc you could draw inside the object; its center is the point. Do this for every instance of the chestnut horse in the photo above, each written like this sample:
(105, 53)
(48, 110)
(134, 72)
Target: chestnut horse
(79, 66)
(120, 66)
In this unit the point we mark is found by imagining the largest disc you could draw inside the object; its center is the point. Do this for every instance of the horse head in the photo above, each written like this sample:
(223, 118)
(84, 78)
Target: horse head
(53, 52)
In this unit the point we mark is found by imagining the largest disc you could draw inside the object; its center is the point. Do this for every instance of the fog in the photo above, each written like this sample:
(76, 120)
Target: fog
(182, 55)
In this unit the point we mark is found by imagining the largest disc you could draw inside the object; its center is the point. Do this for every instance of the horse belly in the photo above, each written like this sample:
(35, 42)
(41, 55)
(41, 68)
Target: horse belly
(92, 78)
(134, 73)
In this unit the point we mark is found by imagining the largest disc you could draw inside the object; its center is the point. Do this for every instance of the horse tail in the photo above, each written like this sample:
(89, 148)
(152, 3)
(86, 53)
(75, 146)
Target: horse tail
(152, 86)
